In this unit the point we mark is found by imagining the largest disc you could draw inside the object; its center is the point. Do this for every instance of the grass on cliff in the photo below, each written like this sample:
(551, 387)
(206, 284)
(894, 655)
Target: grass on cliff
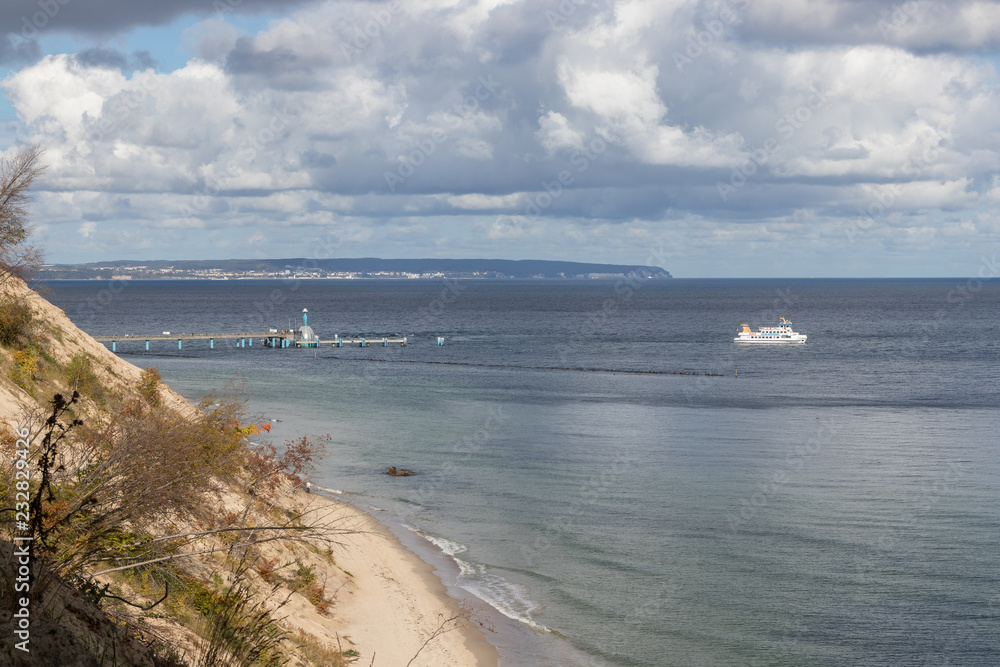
(80, 376)
(135, 487)
(17, 322)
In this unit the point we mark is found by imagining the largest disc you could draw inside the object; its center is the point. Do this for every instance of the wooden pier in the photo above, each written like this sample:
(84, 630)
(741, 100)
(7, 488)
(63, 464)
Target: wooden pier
(271, 339)
(304, 336)
(180, 336)
(365, 342)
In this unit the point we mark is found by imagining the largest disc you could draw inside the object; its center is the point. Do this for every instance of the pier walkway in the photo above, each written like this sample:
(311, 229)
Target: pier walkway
(184, 336)
(280, 339)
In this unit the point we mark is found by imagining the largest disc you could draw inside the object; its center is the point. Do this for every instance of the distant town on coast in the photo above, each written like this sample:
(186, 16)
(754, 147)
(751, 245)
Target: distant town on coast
(344, 268)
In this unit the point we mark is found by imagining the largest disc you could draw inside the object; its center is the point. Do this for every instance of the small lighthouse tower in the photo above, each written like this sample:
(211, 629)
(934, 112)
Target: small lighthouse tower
(307, 338)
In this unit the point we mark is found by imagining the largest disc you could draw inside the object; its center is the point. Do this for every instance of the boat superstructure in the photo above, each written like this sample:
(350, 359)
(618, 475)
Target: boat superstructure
(781, 334)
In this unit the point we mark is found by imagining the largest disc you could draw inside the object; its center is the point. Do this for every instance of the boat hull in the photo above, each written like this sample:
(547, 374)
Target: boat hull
(787, 341)
(783, 334)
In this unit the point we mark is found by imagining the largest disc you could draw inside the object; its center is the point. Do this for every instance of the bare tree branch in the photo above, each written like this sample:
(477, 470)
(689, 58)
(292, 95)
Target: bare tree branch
(17, 174)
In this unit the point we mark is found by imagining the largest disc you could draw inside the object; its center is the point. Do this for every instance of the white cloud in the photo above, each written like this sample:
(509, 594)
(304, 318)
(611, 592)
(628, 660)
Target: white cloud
(555, 134)
(628, 104)
(480, 104)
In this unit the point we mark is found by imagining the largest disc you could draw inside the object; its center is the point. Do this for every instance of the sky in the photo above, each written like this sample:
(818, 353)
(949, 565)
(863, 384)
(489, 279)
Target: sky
(713, 138)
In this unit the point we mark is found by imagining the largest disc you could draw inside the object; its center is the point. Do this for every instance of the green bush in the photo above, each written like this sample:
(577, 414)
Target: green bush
(80, 376)
(17, 322)
(24, 370)
(149, 385)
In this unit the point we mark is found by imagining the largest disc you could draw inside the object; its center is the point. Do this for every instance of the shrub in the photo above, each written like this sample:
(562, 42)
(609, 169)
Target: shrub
(318, 653)
(317, 596)
(241, 628)
(80, 376)
(266, 569)
(130, 467)
(25, 369)
(268, 471)
(27, 362)
(305, 577)
(149, 385)
(17, 322)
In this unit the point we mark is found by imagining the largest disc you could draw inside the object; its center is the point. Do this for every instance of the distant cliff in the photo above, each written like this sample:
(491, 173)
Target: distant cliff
(366, 267)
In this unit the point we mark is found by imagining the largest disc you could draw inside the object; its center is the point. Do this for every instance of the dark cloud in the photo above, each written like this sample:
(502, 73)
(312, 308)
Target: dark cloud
(917, 25)
(318, 160)
(144, 59)
(282, 68)
(102, 58)
(28, 18)
(244, 59)
(797, 111)
(513, 33)
(13, 50)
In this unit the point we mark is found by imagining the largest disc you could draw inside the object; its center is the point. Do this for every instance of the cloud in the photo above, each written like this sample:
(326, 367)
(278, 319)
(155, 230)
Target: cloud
(102, 57)
(629, 105)
(555, 133)
(916, 25)
(454, 118)
(107, 17)
(14, 50)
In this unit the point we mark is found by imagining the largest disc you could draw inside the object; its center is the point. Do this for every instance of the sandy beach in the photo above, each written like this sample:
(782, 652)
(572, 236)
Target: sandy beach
(391, 601)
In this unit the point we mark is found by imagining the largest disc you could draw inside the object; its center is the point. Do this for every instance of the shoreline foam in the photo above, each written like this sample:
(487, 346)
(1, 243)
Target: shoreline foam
(500, 594)
(396, 601)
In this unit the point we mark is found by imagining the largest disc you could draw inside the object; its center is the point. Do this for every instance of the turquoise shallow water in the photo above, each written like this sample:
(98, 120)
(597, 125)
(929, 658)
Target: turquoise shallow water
(834, 504)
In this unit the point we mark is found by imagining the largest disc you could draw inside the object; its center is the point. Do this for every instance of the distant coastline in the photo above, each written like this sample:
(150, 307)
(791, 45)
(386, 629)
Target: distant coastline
(346, 269)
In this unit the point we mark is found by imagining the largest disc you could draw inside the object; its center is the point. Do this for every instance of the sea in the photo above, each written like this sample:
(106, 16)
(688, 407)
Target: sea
(608, 480)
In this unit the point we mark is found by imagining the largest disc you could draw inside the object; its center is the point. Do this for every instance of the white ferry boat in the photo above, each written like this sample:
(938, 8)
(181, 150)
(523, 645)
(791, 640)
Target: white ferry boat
(770, 335)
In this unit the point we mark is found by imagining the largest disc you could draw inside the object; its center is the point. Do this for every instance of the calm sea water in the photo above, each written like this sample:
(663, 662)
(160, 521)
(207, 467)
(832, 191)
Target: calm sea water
(836, 503)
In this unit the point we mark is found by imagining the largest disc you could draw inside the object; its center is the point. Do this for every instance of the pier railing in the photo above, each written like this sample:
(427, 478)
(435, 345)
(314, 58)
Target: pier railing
(281, 339)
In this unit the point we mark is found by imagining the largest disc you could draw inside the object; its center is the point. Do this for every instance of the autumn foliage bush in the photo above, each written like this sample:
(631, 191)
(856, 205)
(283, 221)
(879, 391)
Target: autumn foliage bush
(17, 322)
(128, 484)
(268, 470)
(136, 464)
